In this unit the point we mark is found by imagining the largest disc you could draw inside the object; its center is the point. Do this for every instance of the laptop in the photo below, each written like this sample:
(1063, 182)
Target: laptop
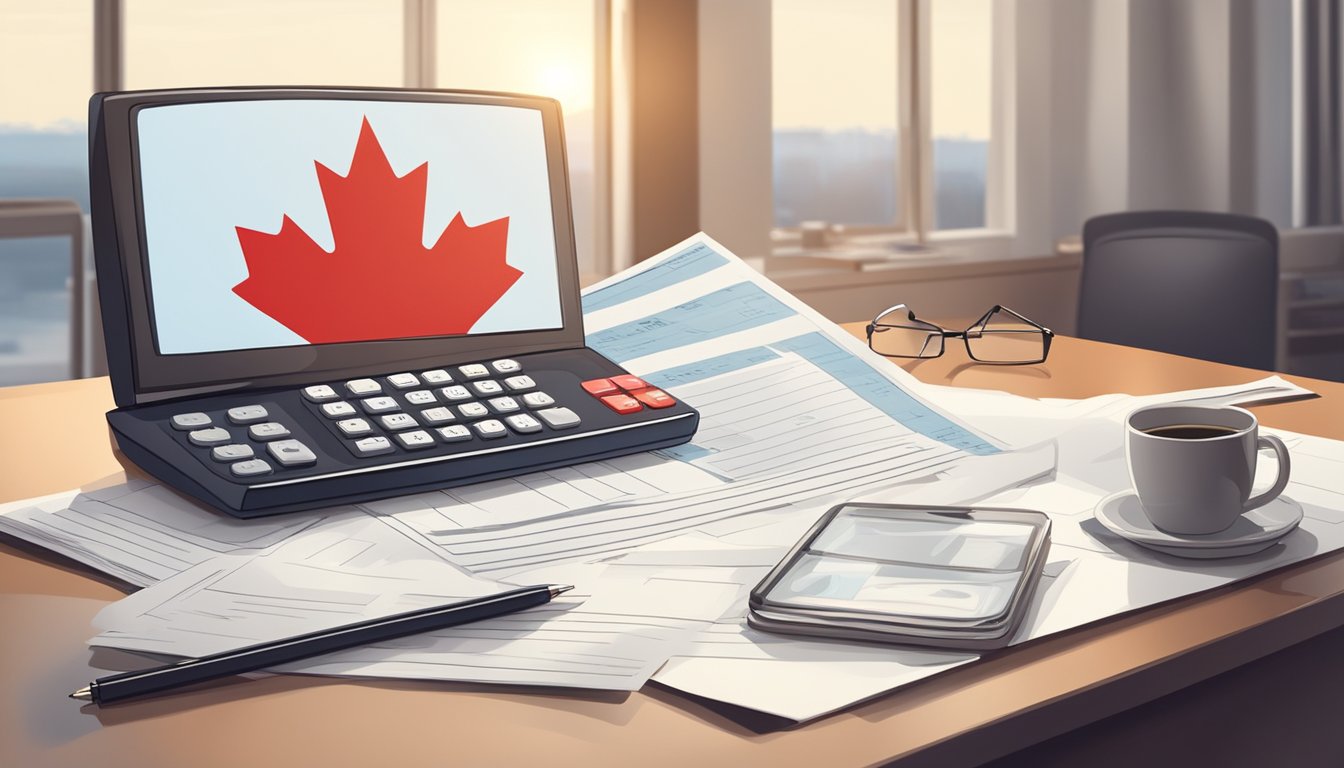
(315, 296)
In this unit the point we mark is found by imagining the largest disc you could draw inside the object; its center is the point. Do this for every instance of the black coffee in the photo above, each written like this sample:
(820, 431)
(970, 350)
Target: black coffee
(1190, 431)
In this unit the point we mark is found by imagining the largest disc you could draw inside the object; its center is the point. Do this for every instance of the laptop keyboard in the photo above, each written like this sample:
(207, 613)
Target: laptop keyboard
(406, 412)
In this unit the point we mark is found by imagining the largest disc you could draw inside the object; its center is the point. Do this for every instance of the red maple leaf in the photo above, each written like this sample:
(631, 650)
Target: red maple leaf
(379, 282)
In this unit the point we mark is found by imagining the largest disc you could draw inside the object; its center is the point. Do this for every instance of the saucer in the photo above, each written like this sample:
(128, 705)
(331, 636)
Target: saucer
(1122, 514)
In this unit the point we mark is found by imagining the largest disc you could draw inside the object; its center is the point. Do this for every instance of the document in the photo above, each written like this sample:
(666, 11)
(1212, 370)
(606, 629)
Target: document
(782, 455)
(1017, 421)
(141, 532)
(694, 311)
(353, 567)
(797, 416)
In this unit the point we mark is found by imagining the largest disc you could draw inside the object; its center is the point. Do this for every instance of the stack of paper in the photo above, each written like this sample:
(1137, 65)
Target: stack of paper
(797, 416)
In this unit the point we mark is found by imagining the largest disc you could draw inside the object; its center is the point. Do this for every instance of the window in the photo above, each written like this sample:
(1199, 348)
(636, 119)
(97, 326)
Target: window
(834, 98)
(883, 115)
(171, 44)
(543, 47)
(46, 66)
(960, 100)
(547, 47)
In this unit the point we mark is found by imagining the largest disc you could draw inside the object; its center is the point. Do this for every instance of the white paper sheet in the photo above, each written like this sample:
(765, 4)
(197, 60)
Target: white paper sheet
(140, 532)
(354, 567)
(769, 374)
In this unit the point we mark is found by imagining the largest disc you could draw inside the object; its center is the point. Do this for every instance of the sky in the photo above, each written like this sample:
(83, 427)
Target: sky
(834, 60)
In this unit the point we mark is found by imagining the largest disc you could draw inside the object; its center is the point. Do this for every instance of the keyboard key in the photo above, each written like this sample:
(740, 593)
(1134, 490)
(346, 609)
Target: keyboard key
(455, 393)
(291, 453)
(438, 415)
(628, 383)
(559, 418)
(421, 397)
(403, 380)
(186, 421)
(622, 403)
(208, 437)
(473, 410)
(337, 410)
(380, 405)
(268, 430)
(538, 400)
(654, 398)
(250, 468)
(354, 427)
(474, 371)
(523, 423)
(395, 421)
(372, 446)
(519, 383)
(415, 440)
(319, 393)
(599, 387)
(247, 414)
(231, 452)
(506, 366)
(436, 376)
(363, 387)
(487, 387)
(454, 434)
(489, 429)
(504, 404)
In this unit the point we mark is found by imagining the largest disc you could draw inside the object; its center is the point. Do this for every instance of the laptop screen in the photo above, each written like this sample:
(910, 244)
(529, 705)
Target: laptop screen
(291, 222)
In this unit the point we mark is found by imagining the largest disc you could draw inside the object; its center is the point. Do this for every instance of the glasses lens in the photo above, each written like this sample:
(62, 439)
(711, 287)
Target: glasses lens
(895, 335)
(1003, 338)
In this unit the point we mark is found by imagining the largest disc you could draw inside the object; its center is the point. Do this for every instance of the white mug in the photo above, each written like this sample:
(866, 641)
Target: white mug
(1192, 466)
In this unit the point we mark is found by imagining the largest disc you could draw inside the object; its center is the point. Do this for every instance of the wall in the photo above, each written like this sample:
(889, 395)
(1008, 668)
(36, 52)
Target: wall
(735, 125)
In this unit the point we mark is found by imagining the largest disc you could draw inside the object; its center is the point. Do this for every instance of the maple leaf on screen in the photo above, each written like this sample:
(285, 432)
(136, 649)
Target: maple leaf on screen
(380, 281)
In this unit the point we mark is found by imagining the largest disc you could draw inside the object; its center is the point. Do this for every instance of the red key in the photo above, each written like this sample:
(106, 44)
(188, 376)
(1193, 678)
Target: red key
(628, 383)
(622, 403)
(654, 398)
(599, 387)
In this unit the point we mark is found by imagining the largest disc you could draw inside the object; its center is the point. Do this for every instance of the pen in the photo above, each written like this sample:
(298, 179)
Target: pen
(126, 685)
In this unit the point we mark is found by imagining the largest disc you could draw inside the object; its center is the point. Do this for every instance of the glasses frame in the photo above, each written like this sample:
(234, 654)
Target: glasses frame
(976, 330)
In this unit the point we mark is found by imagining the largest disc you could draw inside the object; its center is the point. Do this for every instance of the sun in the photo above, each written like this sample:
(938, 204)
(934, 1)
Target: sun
(560, 80)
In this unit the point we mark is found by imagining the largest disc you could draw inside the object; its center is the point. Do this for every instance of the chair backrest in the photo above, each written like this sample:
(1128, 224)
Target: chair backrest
(1190, 283)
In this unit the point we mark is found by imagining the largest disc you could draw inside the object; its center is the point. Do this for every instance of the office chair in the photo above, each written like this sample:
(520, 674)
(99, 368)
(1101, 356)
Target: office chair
(1190, 283)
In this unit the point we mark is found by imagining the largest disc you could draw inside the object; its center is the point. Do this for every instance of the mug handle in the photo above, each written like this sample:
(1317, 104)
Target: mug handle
(1285, 466)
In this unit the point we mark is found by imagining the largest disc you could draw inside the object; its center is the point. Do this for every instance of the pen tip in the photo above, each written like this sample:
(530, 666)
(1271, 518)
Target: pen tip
(83, 694)
(560, 589)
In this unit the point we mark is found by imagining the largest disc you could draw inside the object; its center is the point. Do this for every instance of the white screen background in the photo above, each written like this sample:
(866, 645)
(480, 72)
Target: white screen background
(208, 168)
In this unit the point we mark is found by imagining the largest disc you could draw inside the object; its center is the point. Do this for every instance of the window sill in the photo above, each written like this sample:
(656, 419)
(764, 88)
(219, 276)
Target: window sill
(893, 250)
(830, 269)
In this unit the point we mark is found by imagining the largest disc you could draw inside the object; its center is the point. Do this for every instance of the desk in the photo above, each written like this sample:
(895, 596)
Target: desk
(54, 437)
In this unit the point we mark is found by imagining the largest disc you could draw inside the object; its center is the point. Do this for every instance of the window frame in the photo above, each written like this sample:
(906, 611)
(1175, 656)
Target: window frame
(419, 43)
(914, 224)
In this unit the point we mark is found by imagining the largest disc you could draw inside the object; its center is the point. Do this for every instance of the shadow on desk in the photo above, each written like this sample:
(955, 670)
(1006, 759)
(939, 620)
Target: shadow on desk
(1280, 710)
(235, 689)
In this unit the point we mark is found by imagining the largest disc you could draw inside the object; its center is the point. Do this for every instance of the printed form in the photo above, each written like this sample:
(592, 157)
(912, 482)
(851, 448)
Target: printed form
(788, 402)
(352, 567)
(797, 416)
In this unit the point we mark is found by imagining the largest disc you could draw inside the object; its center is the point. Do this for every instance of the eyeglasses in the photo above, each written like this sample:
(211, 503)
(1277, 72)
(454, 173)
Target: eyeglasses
(1000, 337)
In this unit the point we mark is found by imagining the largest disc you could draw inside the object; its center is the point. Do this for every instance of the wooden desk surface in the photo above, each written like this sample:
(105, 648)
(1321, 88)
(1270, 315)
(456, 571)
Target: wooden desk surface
(53, 437)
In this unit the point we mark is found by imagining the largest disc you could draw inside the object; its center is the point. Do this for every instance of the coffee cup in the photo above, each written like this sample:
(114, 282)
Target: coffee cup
(1192, 466)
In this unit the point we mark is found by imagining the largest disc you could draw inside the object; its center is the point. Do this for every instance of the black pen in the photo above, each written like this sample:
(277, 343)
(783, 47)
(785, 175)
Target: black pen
(106, 690)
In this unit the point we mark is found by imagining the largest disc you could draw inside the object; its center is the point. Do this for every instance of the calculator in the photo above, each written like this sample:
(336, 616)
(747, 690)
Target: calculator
(321, 296)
